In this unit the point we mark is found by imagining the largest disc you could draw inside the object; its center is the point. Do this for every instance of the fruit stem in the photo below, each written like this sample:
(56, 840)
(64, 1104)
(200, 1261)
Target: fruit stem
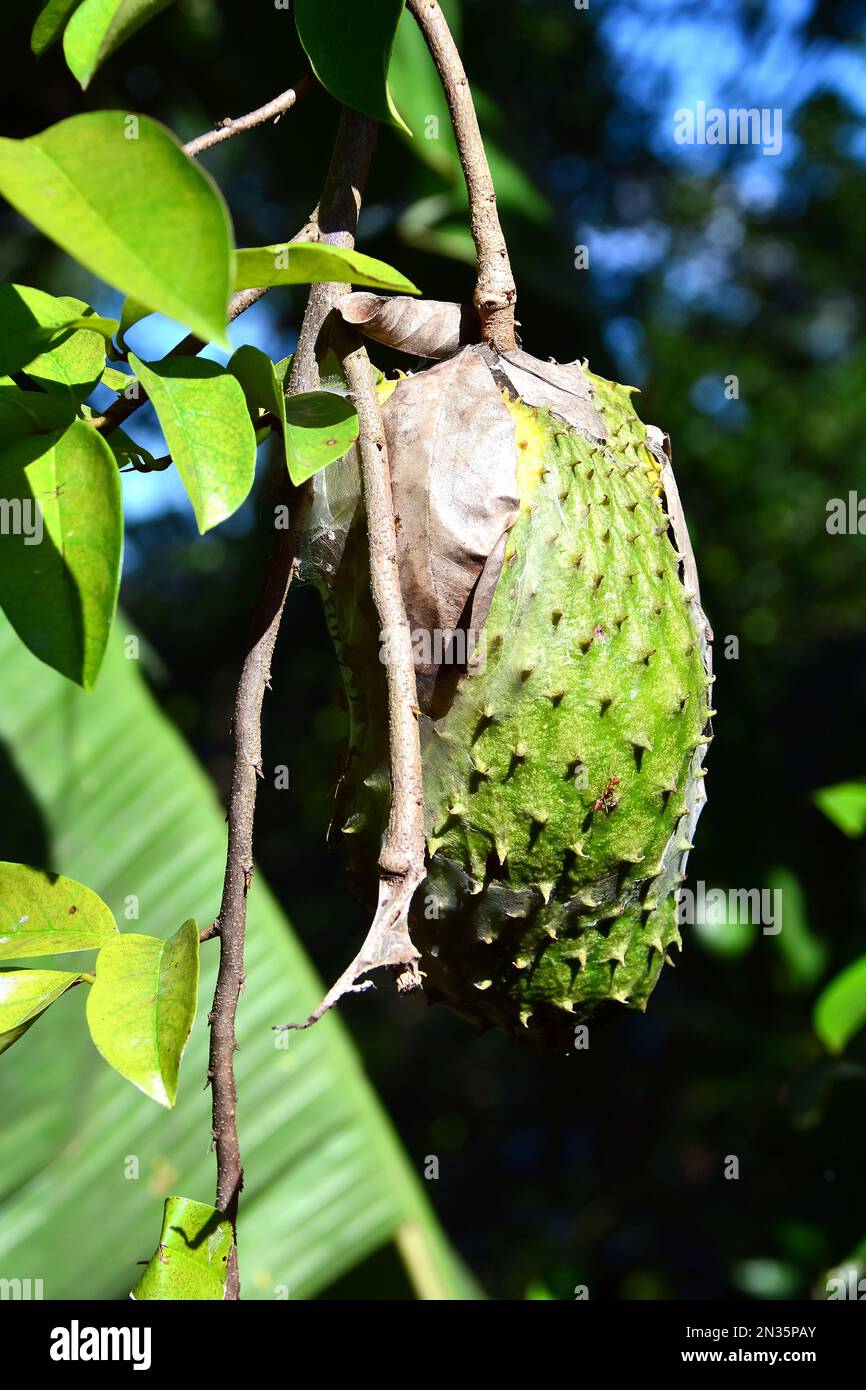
(495, 292)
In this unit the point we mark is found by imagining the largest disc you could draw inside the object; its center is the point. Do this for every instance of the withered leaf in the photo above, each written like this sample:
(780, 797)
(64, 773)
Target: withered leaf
(561, 387)
(422, 327)
(453, 461)
(659, 445)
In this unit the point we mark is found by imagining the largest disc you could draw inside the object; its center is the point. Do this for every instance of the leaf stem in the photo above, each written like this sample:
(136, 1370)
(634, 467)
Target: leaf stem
(495, 292)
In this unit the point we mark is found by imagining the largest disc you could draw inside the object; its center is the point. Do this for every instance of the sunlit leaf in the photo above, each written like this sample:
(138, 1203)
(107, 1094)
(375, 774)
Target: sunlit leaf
(24, 995)
(60, 571)
(206, 423)
(116, 380)
(98, 27)
(118, 193)
(349, 47)
(49, 24)
(43, 914)
(845, 805)
(192, 1256)
(31, 323)
(141, 1007)
(72, 367)
(306, 263)
(840, 1009)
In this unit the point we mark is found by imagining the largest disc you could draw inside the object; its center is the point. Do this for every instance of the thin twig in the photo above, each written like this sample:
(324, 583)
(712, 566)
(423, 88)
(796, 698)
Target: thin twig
(336, 220)
(495, 292)
(271, 111)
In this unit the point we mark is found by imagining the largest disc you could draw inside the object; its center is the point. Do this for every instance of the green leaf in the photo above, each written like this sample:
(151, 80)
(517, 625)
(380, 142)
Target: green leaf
(31, 322)
(307, 263)
(49, 24)
(98, 27)
(116, 380)
(141, 1008)
(317, 426)
(24, 995)
(60, 566)
(258, 378)
(204, 418)
(73, 367)
(840, 1009)
(27, 414)
(349, 47)
(192, 1257)
(131, 313)
(328, 1182)
(802, 951)
(845, 805)
(42, 914)
(118, 193)
(320, 427)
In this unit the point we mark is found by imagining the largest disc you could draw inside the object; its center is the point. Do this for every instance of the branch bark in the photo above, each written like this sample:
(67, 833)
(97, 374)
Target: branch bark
(335, 222)
(495, 292)
(271, 111)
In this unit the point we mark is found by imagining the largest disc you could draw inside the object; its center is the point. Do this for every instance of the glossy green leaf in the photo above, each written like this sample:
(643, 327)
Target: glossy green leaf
(840, 1009)
(24, 995)
(50, 23)
(60, 566)
(43, 914)
(32, 322)
(320, 427)
(118, 193)
(204, 417)
(191, 1260)
(349, 47)
(845, 805)
(327, 1181)
(258, 378)
(141, 1007)
(98, 27)
(306, 263)
(116, 380)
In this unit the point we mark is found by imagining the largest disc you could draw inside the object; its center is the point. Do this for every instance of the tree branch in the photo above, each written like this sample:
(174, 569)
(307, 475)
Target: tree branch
(401, 861)
(271, 111)
(336, 221)
(495, 292)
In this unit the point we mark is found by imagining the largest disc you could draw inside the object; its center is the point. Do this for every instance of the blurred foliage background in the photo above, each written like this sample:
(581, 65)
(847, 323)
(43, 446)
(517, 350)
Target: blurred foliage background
(705, 263)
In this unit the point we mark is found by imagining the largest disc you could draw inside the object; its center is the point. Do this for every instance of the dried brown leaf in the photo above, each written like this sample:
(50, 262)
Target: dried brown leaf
(387, 943)
(561, 387)
(422, 327)
(452, 454)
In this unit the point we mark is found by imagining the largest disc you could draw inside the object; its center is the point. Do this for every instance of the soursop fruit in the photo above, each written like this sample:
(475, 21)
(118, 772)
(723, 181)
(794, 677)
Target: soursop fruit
(564, 685)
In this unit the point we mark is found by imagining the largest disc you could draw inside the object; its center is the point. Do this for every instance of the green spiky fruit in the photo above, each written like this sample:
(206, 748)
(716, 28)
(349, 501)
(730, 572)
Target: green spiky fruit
(563, 777)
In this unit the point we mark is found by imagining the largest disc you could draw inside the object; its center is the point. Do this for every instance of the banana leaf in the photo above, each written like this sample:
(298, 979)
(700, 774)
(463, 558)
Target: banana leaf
(102, 788)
